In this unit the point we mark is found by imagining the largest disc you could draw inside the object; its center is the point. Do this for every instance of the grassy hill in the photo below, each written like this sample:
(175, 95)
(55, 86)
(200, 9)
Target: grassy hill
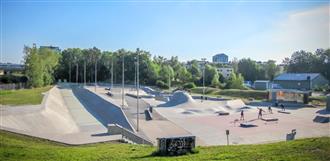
(23, 96)
(18, 147)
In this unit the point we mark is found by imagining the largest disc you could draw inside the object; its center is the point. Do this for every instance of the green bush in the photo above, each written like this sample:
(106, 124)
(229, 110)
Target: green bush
(189, 85)
(162, 84)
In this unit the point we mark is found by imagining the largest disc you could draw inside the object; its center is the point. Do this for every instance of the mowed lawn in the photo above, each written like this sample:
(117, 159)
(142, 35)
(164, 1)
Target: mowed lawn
(18, 147)
(23, 96)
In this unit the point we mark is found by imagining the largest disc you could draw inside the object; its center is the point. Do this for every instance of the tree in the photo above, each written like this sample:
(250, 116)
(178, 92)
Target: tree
(40, 65)
(194, 71)
(183, 75)
(235, 81)
(271, 69)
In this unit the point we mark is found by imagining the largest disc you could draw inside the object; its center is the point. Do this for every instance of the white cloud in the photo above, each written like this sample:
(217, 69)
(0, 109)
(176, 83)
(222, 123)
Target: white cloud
(302, 30)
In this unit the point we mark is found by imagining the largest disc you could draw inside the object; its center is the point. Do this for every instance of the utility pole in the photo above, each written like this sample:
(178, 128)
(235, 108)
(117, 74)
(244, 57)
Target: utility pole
(137, 90)
(84, 72)
(123, 81)
(169, 81)
(95, 73)
(203, 59)
(111, 73)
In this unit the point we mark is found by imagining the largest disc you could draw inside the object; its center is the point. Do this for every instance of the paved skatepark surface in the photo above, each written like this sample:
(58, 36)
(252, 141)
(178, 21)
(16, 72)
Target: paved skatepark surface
(71, 116)
(153, 129)
(201, 120)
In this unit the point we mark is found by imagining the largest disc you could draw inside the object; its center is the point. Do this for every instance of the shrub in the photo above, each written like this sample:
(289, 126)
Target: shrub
(189, 85)
(161, 84)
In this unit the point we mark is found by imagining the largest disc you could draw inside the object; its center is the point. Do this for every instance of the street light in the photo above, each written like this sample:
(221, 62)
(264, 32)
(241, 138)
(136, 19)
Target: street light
(84, 72)
(123, 79)
(137, 89)
(203, 59)
(95, 72)
(112, 72)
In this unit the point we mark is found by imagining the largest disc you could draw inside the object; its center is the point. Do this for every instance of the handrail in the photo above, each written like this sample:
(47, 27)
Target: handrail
(117, 129)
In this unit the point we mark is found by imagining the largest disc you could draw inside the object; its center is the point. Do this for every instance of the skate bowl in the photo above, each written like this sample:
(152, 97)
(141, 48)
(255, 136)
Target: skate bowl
(179, 97)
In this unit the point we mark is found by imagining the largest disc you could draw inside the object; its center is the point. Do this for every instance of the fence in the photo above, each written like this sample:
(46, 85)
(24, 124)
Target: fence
(12, 86)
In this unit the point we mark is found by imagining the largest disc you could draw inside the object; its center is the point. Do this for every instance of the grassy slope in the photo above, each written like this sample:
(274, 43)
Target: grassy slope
(21, 97)
(18, 147)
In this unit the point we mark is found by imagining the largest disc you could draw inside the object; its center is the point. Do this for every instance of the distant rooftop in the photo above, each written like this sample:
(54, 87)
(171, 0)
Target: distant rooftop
(297, 76)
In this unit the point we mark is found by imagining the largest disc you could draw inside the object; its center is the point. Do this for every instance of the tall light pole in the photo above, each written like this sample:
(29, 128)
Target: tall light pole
(123, 81)
(137, 90)
(84, 72)
(111, 72)
(203, 59)
(95, 73)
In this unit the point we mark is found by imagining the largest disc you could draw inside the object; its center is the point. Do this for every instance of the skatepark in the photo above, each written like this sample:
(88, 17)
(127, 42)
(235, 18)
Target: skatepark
(75, 114)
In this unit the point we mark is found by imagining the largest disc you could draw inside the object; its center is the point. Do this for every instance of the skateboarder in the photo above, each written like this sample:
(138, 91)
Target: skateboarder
(242, 115)
(270, 109)
(260, 113)
(282, 106)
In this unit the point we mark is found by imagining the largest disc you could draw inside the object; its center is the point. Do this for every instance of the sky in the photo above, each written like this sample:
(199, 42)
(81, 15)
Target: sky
(191, 29)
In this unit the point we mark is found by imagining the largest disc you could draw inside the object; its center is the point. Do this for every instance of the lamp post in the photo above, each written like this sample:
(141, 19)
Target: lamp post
(84, 72)
(123, 79)
(95, 73)
(111, 72)
(137, 90)
(203, 59)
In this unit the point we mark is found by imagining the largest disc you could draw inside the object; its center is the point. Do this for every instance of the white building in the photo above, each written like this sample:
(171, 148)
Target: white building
(225, 71)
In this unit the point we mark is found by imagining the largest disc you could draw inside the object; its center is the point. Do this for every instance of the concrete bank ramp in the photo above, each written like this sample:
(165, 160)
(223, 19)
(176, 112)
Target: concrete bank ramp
(179, 97)
(52, 116)
(234, 105)
(104, 111)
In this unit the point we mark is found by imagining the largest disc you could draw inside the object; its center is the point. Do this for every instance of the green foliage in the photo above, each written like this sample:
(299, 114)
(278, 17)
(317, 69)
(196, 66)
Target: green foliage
(189, 85)
(19, 147)
(40, 66)
(235, 81)
(307, 62)
(22, 96)
(162, 84)
(183, 75)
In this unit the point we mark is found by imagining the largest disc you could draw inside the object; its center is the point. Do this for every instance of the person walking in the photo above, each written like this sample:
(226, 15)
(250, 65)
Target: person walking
(242, 115)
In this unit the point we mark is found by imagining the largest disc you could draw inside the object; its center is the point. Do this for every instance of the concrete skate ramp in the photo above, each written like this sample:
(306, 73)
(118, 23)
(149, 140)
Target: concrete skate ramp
(235, 105)
(44, 118)
(104, 111)
(179, 97)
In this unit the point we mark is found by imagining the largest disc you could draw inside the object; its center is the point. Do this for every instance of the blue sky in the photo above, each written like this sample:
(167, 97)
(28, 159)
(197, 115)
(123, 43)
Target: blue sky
(260, 30)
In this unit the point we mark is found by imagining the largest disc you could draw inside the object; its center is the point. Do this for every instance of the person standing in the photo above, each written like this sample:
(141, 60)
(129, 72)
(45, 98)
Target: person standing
(260, 113)
(242, 115)
(282, 106)
(270, 109)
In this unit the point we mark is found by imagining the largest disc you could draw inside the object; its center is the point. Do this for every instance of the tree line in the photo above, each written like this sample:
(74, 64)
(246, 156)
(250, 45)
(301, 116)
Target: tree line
(44, 66)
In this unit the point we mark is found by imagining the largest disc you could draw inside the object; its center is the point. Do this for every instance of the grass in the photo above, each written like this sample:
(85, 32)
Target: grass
(318, 100)
(18, 147)
(23, 96)
(235, 93)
